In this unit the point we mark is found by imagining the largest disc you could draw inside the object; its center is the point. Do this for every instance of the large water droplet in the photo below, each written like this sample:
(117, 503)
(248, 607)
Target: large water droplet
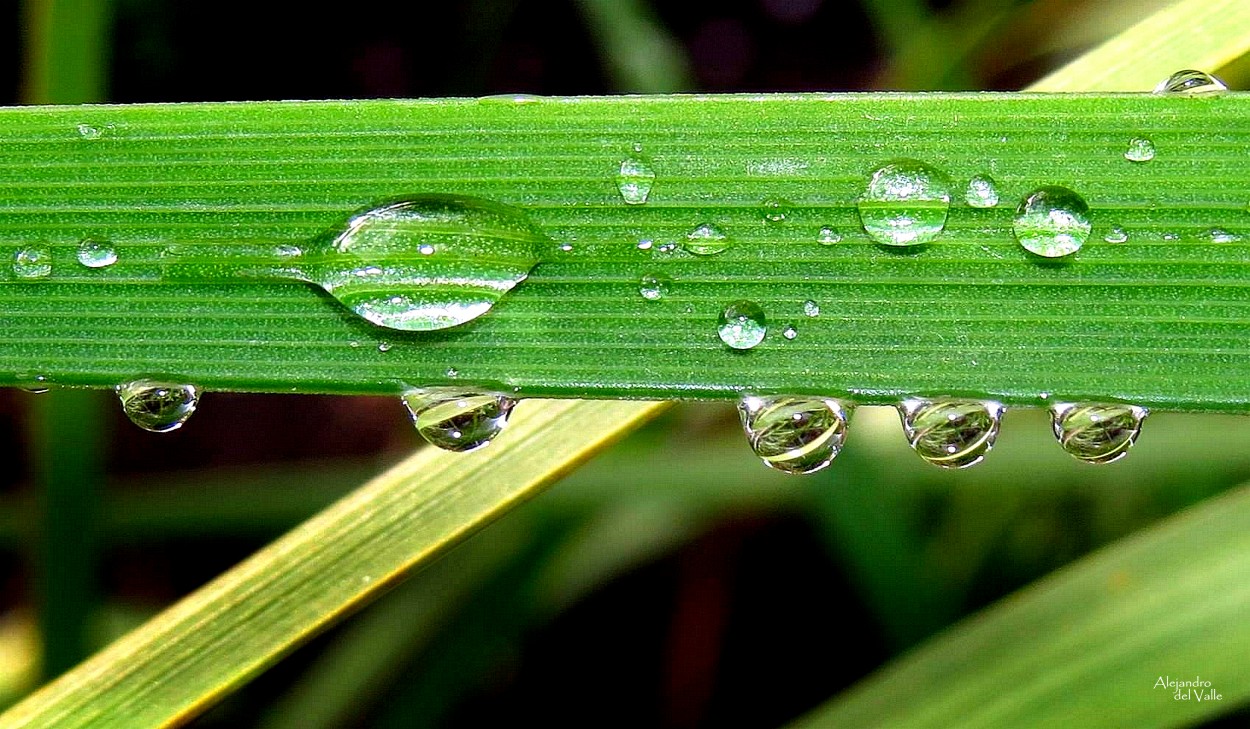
(1191, 83)
(158, 406)
(1097, 433)
(794, 434)
(1052, 221)
(950, 432)
(1140, 149)
(427, 262)
(776, 209)
(96, 253)
(635, 178)
(456, 419)
(706, 240)
(742, 325)
(32, 263)
(654, 286)
(906, 203)
(982, 192)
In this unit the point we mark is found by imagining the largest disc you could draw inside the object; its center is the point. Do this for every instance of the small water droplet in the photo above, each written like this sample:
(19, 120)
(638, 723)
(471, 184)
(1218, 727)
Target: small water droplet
(156, 406)
(566, 247)
(790, 332)
(905, 204)
(384, 346)
(287, 250)
(32, 263)
(951, 433)
(1052, 221)
(86, 131)
(776, 210)
(375, 264)
(426, 249)
(811, 308)
(654, 286)
(667, 248)
(828, 236)
(706, 240)
(644, 245)
(38, 384)
(1171, 236)
(353, 344)
(1219, 235)
(742, 325)
(1140, 149)
(1116, 235)
(1191, 83)
(452, 372)
(982, 192)
(456, 419)
(635, 178)
(1097, 433)
(794, 434)
(96, 254)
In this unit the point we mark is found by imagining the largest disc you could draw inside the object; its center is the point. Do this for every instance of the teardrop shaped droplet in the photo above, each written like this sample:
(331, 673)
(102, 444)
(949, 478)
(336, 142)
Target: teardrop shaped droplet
(982, 192)
(94, 253)
(1052, 221)
(427, 262)
(1191, 83)
(706, 240)
(654, 286)
(1140, 149)
(635, 178)
(157, 406)
(456, 419)
(951, 432)
(742, 325)
(34, 262)
(905, 204)
(1095, 432)
(794, 434)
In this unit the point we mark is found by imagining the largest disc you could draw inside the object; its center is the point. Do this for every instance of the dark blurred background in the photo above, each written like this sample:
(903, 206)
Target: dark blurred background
(674, 582)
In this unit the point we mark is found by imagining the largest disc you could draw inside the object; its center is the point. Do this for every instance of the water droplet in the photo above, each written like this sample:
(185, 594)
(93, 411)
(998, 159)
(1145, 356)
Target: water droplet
(566, 247)
(635, 178)
(452, 372)
(287, 251)
(1140, 149)
(96, 254)
(742, 325)
(1052, 221)
(1097, 433)
(158, 406)
(667, 248)
(384, 346)
(375, 264)
(776, 210)
(811, 308)
(790, 332)
(828, 236)
(32, 263)
(706, 240)
(456, 419)
(906, 203)
(1191, 83)
(644, 245)
(1171, 236)
(951, 433)
(1116, 235)
(37, 384)
(1219, 235)
(654, 286)
(794, 434)
(982, 192)
(86, 131)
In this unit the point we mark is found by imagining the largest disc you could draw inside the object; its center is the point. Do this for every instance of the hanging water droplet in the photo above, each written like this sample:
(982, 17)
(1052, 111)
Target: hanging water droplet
(811, 308)
(37, 384)
(96, 254)
(828, 236)
(1140, 149)
(635, 178)
(1219, 235)
(32, 263)
(1191, 83)
(1052, 221)
(706, 240)
(982, 192)
(478, 250)
(1116, 235)
(950, 432)
(1097, 433)
(906, 203)
(776, 210)
(742, 325)
(654, 286)
(794, 434)
(158, 406)
(456, 419)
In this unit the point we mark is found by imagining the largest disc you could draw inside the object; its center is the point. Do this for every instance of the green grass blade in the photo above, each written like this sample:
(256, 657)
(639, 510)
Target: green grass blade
(639, 54)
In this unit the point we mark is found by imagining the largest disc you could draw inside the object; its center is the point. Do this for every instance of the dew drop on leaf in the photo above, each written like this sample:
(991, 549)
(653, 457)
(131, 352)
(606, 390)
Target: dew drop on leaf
(951, 432)
(1094, 432)
(706, 240)
(457, 419)
(1191, 83)
(654, 286)
(1052, 221)
(94, 253)
(794, 434)
(828, 236)
(742, 325)
(32, 263)
(634, 178)
(982, 192)
(1140, 149)
(158, 406)
(905, 204)
(776, 210)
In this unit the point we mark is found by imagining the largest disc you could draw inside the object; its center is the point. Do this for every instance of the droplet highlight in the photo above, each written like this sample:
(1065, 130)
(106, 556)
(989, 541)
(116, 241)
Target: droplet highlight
(456, 419)
(951, 432)
(654, 286)
(1191, 83)
(635, 178)
(742, 325)
(796, 435)
(707, 240)
(32, 263)
(1095, 432)
(982, 192)
(96, 254)
(1052, 221)
(906, 203)
(159, 407)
